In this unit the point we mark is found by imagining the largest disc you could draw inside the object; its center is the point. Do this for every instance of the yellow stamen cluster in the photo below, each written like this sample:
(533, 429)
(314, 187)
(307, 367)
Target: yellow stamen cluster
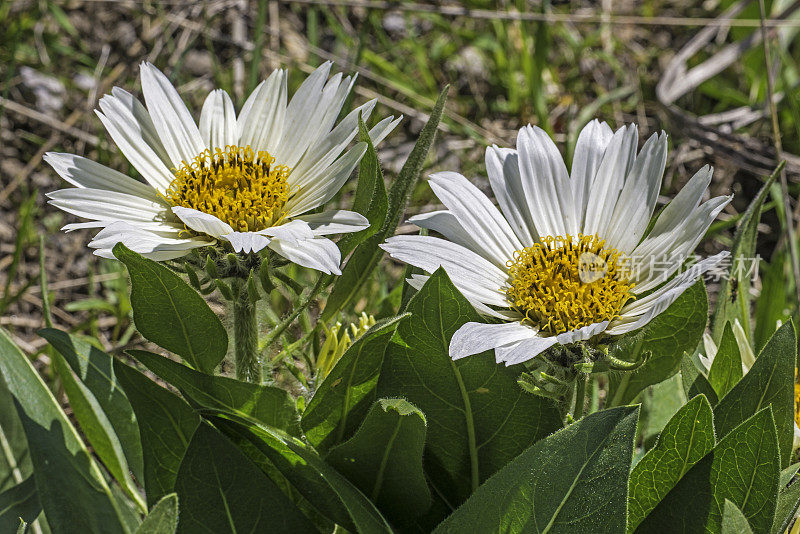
(564, 283)
(237, 185)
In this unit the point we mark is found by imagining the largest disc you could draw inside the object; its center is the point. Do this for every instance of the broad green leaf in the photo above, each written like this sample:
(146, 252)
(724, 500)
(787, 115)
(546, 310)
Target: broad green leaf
(695, 383)
(744, 467)
(166, 424)
(272, 406)
(344, 397)
(68, 480)
(575, 481)
(676, 330)
(772, 303)
(163, 518)
(15, 463)
(305, 469)
(659, 403)
(370, 198)
(171, 314)
(726, 370)
(686, 439)
(733, 299)
(479, 418)
(769, 382)
(19, 502)
(733, 520)
(97, 428)
(220, 490)
(95, 369)
(384, 459)
(366, 257)
(788, 500)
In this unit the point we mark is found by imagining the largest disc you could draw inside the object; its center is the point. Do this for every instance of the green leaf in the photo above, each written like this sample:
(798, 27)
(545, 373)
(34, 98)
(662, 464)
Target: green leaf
(221, 490)
(68, 481)
(270, 405)
(686, 439)
(574, 481)
(788, 500)
(370, 198)
(97, 428)
(733, 299)
(479, 418)
(726, 369)
(19, 502)
(733, 520)
(15, 463)
(366, 257)
(772, 303)
(166, 424)
(312, 477)
(95, 369)
(384, 459)
(660, 403)
(744, 467)
(344, 397)
(171, 314)
(769, 382)
(695, 383)
(676, 330)
(163, 518)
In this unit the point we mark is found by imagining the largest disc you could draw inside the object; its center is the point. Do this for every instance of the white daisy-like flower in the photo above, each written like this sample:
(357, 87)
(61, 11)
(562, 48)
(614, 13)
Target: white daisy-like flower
(565, 257)
(248, 180)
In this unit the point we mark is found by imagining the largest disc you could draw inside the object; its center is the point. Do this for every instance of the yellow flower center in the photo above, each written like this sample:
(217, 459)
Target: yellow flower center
(565, 283)
(237, 185)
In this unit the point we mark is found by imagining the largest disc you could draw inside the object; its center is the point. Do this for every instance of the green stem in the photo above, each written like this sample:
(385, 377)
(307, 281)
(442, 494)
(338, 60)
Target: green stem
(245, 334)
(580, 396)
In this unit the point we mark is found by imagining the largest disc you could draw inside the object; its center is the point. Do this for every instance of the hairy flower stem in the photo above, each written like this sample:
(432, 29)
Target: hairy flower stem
(245, 334)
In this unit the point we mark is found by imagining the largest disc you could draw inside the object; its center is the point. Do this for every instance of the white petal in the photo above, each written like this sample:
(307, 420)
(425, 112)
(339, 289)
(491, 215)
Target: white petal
(474, 338)
(546, 184)
(301, 114)
(319, 253)
(418, 280)
(522, 351)
(477, 215)
(640, 312)
(379, 132)
(323, 152)
(582, 334)
(291, 232)
(684, 202)
(263, 115)
(105, 205)
(502, 166)
(205, 223)
(657, 257)
(246, 241)
(126, 133)
(327, 185)
(335, 222)
(174, 124)
(131, 114)
(445, 223)
(148, 244)
(745, 349)
(85, 173)
(464, 267)
(589, 149)
(638, 197)
(218, 121)
(609, 180)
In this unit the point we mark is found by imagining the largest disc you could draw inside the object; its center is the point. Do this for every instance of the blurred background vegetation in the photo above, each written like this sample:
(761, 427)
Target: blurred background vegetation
(695, 69)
